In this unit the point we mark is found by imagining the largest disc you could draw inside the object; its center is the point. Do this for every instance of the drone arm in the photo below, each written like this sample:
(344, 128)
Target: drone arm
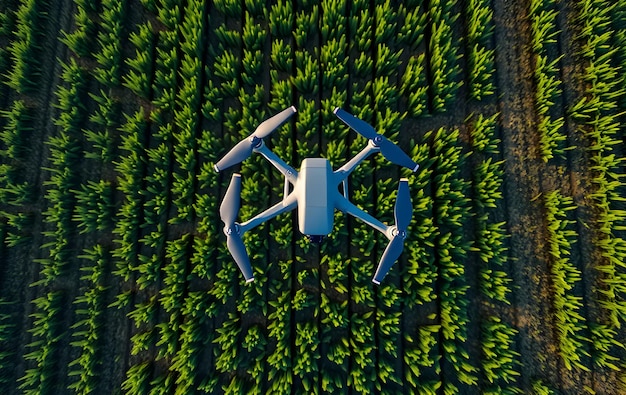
(344, 171)
(290, 174)
(347, 207)
(287, 204)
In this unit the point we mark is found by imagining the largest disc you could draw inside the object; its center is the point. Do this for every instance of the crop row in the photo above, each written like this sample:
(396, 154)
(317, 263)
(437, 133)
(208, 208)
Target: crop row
(89, 326)
(444, 56)
(499, 360)
(64, 153)
(24, 48)
(109, 55)
(80, 41)
(570, 324)
(6, 28)
(154, 189)
(281, 307)
(171, 300)
(138, 78)
(481, 56)
(451, 211)
(47, 331)
(597, 112)
(94, 206)
(184, 108)
(131, 172)
(242, 94)
(544, 33)
(305, 332)
(388, 121)
(490, 239)
(16, 120)
(159, 78)
(14, 190)
(14, 137)
(7, 351)
(359, 336)
(222, 89)
(186, 115)
(420, 345)
(282, 310)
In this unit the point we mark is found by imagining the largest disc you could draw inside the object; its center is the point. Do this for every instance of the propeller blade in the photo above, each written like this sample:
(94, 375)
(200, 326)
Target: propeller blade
(240, 255)
(268, 126)
(403, 210)
(244, 148)
(390, 256)
(229, 209)
(396, 155)
(361, 127)
(390, 151)
(237, 154)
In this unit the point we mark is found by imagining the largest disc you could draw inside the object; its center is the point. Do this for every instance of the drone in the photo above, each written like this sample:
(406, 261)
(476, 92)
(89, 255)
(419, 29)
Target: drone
(315, 192)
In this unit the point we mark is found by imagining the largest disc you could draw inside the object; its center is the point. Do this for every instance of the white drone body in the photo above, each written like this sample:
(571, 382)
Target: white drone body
(315, 192)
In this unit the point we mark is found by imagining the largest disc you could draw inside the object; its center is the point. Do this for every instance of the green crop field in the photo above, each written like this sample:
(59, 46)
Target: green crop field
(114, 271)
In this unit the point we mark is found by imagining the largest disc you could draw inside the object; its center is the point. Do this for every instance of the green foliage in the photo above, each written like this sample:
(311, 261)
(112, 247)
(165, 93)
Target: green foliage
(130, 175)
(46, 332)
(14, 135)
(280, 19)
(544, 14)
(420, 271)
(80, 40)
(597, 113)
(13, 150)
(452, 210)
(7, 333)
(411, 29)
(444, 67)
(539, 388)
(24, 49)
(200, 77)
(568, 306)
(141, 66)
(95, 206)
(138, 379)
(109, 56)
(186, 113)
(499, 362)
(88, 337)
(481, 58)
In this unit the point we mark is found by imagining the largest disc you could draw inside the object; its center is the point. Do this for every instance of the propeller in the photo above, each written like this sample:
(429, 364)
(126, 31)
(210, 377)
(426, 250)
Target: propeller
(244, 148)
(403, 211)
(228, 212)
(392, 152)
